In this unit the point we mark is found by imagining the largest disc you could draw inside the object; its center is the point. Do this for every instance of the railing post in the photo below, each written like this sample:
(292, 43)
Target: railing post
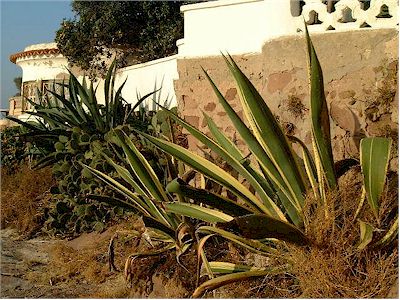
(295, 8)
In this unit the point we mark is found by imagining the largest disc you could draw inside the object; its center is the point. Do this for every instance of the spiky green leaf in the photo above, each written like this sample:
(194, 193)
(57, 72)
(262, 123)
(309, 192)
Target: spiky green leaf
(366, 233)
(263, 226)
(320, 117)
(197, 212)
(374, 155)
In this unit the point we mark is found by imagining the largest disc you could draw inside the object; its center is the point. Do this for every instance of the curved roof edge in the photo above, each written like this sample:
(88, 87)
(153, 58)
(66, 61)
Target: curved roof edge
(34, 52)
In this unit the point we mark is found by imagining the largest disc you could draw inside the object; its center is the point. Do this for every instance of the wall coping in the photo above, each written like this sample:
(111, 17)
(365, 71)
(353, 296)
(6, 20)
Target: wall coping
(50, 45)
(218, 3)
(149, 63)
(297, 35)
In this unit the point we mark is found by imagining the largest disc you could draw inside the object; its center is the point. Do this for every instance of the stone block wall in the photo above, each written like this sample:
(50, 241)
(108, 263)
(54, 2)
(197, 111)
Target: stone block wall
(360, 75)
(15, 106)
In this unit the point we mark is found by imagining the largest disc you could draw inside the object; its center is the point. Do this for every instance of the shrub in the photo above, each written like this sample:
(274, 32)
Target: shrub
(13, 149)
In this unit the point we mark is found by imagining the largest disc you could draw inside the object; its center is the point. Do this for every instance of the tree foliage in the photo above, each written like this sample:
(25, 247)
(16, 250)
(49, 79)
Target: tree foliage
(134, 31)
(18, 84)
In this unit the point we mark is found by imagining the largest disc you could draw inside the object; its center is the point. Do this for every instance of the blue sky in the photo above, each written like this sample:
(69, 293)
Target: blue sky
(25, 23)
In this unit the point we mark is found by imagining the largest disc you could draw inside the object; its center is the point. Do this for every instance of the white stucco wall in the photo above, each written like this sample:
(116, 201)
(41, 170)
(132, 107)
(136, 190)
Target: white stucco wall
(41, 46)
(145, 78)
(234, 26)
(39, 67)
(42, 67)
(34, 68)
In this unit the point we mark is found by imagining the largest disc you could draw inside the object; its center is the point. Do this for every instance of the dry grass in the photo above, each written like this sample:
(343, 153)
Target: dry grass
(67, 264)
(334, 267)
(23, 195)
(331, 268)
(76, 262)
(75, 269)
(323, 273)
(115, 289)
(88, 261)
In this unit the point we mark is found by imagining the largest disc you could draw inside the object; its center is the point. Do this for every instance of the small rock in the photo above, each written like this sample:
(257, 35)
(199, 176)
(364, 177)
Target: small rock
(394, 165)
(345, 118)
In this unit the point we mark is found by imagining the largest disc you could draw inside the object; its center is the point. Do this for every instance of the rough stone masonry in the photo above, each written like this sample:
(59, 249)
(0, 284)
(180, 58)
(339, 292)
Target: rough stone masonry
(360, 75)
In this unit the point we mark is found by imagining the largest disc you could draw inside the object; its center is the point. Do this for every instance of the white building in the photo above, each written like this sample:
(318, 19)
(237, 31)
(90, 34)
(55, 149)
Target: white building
(233, 26)
(43, 64)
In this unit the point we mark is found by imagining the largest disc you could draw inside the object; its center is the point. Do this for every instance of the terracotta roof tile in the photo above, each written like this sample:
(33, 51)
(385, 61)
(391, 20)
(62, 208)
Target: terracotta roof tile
(14, 57)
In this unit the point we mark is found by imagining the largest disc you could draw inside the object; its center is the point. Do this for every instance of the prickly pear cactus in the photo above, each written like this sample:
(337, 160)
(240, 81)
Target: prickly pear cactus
(72, 212)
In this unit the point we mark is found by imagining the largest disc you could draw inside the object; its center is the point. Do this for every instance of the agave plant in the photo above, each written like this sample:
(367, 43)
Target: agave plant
(275, 214)
(66, 125)
(143, 192)
(76, 106)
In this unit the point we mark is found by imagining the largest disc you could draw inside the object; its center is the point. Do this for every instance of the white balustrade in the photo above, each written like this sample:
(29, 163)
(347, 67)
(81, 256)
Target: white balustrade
(349, 15)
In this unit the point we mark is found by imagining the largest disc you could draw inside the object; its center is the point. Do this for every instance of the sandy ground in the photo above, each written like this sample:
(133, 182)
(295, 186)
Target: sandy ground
(23, 258)
(18, 257)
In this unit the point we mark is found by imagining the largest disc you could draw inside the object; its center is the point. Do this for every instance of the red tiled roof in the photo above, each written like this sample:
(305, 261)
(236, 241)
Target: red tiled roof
(14, 57)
